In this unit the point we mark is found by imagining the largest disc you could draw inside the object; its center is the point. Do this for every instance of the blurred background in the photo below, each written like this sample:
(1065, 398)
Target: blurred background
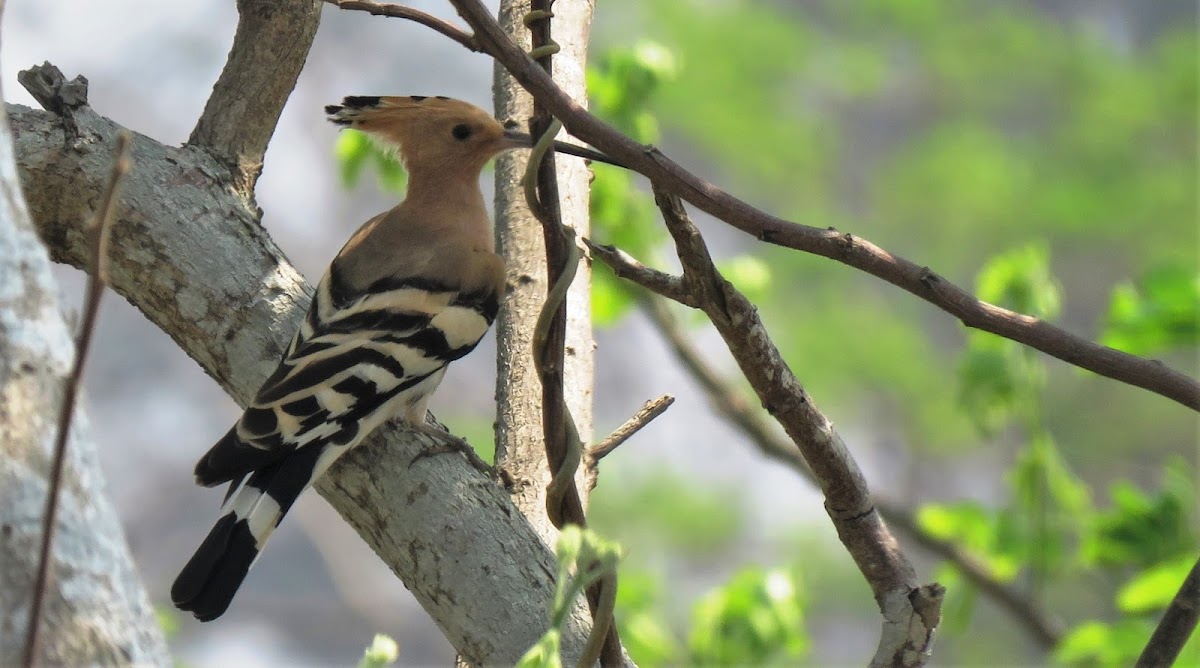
(1042, 153)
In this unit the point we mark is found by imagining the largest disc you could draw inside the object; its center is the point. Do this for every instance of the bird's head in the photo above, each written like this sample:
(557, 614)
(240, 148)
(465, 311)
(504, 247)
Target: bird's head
(430, 133)
(437, 134)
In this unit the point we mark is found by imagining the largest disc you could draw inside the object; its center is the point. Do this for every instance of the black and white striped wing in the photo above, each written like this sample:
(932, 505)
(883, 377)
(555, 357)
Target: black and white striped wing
(353, 364)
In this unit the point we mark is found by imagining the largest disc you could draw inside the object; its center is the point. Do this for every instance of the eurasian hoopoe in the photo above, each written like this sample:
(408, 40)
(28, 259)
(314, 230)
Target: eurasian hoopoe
(414, 289)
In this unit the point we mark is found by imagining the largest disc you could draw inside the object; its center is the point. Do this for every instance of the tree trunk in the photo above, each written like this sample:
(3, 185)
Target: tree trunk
(520, 446)
(96, 611)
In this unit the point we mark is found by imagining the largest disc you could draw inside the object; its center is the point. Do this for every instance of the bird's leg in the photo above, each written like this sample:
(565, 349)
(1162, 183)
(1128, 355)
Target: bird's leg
(449, 443)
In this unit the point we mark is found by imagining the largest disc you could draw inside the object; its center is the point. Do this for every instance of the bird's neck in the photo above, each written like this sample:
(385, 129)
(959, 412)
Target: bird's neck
(439, 184)
(454, 203)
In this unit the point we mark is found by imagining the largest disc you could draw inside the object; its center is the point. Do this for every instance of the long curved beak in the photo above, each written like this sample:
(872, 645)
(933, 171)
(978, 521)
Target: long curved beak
(521, 140)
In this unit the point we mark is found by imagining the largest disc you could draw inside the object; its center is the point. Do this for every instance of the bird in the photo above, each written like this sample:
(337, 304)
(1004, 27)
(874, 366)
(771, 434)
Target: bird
(413, 289)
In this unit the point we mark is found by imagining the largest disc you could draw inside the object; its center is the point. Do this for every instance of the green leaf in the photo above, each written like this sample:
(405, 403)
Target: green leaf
(1106, 645)
(1000, 380)
(544, 653)
(968, 522)
(1161, 312)
(354, 150)
(351, 149)
(990, 385)
(611, 299)
(1020, 280)
(1154, 588)
(1050, 506)
(622, 83)
(389, 171)
(168, 621)
(1141, 529)
(382, 652)
(758, 617)
(583, 557)
(623, 216)
(641, 622)
(973, 527)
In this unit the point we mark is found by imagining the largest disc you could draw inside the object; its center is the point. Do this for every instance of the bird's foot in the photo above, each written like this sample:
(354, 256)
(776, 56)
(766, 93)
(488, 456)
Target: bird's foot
(449, 443)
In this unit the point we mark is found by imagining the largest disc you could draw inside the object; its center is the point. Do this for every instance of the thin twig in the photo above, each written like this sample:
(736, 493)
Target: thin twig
(626, 266)
(739, 410)
(848, 249)
(1176, 626)
(908, 629)
(408, 13)
(98, 277)
(649, 411)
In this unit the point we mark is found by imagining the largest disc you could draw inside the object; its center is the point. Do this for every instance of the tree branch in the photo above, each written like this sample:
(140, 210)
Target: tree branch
(200, 267)
(272, 41)
(91, 310)
(911, 611)
(650, 410)
(1176, 626)
(401, 12)
(520, 437)
(629, 268)
(845, 248)
(734, 407)
(96, 609)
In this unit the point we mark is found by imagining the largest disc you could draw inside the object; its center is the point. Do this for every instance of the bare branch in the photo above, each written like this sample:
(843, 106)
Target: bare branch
(911, 611)
(627, 267)
(650, 410)
(1176, 626)
(408, 13)
(731, 403)
(845, 248)
(272, 41)
(200, 267)
(97, 278)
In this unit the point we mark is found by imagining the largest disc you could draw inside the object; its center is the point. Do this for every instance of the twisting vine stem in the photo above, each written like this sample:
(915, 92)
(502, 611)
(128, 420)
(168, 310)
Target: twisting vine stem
(563, 447)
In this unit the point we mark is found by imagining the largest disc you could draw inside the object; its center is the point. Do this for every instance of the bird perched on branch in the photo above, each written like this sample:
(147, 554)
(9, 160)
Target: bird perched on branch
(414, 289)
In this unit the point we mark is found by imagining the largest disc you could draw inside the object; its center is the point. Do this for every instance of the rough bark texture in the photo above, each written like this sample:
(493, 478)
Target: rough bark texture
(96, 611)
(520, 449)
(269, 49)
(190, 254)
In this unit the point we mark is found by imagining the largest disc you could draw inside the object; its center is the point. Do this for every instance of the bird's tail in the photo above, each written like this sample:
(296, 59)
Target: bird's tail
(251, 511)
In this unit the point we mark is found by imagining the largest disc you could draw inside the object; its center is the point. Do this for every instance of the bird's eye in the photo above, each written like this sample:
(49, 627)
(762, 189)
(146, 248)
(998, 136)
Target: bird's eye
(461, 132)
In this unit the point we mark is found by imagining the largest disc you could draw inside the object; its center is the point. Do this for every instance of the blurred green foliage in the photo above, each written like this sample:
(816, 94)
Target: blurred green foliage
(1046, 154)
(583, 558)
(1159, 312)
(947, 132)
(382, 653)
(1048, 159)
(756, 619)
(620, 85)
(669, 512)
(355, 151)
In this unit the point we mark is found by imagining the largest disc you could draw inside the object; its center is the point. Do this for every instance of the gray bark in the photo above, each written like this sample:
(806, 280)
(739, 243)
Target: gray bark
(190, 254)
(520, 448)
(96, 611)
